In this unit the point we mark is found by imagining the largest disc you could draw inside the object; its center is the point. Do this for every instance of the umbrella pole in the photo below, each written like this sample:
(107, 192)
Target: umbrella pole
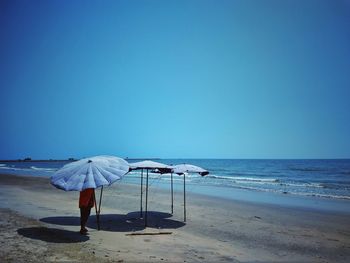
(141, 193)
(184, 197)
(99, 205)
(146, 211)
(172, 195)
(97, 215)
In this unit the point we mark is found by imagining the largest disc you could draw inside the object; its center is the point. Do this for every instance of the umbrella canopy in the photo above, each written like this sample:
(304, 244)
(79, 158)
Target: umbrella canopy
(148, 165)
(188, 168)
(90, 173)
(183, 169)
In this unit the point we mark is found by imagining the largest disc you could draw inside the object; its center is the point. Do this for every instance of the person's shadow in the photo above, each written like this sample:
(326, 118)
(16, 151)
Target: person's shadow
(120, 223)
(52, 235)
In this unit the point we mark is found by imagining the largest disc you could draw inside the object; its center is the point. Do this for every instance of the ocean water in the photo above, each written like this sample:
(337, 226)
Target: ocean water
(318, 179)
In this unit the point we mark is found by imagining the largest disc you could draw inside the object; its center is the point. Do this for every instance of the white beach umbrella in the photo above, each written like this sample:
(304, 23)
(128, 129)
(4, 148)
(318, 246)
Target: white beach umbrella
(90, 172)
(183, 169)
(188, 168)
(147, 165)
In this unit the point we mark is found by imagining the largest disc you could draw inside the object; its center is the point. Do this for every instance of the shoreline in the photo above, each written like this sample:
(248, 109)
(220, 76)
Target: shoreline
(294, 183)
(216, 230)
(236, 194)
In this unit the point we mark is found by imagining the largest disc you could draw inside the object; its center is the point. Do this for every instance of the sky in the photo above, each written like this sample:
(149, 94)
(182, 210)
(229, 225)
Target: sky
(175, 79)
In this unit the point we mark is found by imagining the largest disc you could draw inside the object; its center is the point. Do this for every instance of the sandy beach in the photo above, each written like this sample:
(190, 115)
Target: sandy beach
(40, 224)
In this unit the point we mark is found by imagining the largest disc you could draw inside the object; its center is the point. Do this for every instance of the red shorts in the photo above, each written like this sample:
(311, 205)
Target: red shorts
(86, 198)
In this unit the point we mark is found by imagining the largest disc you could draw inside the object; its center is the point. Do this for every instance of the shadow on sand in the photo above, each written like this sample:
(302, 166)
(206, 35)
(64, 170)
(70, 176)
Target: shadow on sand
(118, 222)
(52, 235)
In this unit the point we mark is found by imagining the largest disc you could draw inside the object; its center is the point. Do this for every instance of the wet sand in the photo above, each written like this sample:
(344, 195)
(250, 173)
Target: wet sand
(40, 223)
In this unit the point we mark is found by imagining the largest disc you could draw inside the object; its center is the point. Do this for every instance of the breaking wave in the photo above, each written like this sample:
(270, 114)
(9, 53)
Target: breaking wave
(42, 169)
(250, 179)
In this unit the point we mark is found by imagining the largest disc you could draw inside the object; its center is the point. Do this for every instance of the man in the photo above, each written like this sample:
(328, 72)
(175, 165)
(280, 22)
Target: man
(86, 202)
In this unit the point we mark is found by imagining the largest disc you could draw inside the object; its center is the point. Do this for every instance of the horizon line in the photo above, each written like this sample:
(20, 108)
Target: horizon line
(28, 159)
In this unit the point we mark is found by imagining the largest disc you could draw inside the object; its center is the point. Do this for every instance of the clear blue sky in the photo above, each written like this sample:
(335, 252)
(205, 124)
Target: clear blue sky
(200, 79)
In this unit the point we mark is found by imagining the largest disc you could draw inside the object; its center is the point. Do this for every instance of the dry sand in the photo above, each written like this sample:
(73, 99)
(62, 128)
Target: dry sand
(40, 224)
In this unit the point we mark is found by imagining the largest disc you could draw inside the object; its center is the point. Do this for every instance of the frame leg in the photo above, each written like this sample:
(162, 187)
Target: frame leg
(172, 195)
(146, 210)
(141, 194)
(184, 198)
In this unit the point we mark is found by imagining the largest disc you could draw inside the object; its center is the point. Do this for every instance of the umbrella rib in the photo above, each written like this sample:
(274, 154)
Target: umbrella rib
(89, 177)
(109, 175)
(107, 181)
(63, 172)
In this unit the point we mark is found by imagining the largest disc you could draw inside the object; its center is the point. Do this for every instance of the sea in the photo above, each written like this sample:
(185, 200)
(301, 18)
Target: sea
(317, 184)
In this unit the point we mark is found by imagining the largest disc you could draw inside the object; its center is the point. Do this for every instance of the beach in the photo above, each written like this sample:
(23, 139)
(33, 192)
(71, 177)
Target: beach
(40, 223)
